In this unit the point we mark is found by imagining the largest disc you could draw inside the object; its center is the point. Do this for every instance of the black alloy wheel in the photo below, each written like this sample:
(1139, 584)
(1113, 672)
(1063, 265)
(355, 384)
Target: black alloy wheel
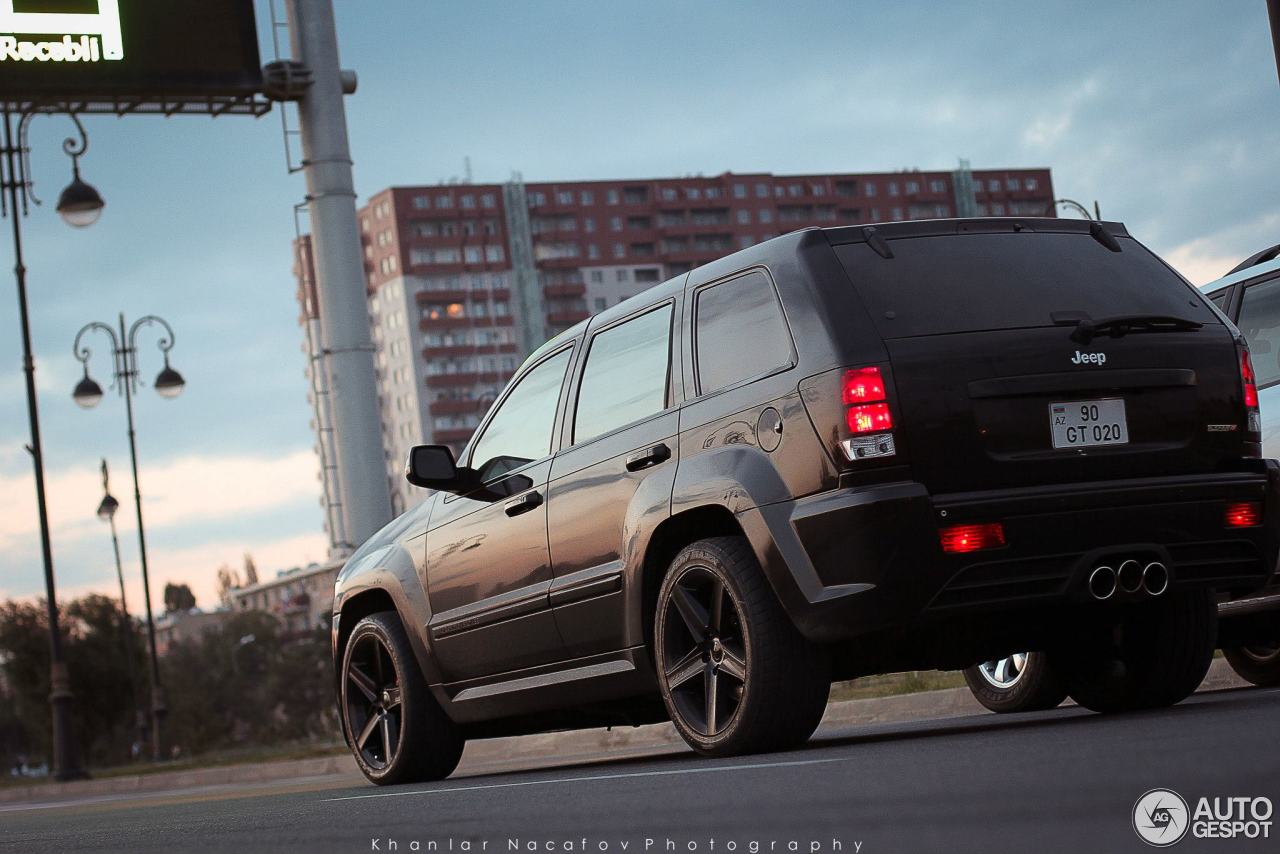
(704, 651)
(395, 727)
(736, 675)
(374, 707)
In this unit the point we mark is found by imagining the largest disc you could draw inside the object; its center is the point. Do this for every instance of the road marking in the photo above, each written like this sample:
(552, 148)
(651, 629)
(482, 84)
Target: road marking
(595, 777)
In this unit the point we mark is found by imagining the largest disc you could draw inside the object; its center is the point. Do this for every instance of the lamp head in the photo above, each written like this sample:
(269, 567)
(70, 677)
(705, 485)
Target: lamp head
(169, 383)
(80, 204)
(107, 509)
(87, 393)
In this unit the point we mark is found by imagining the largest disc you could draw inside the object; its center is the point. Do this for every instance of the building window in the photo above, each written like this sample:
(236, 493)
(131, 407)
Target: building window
(537, 200)
(1013, 185)
(766, 215)
(565, 197)
(744, 240)
(739, 191)
(913, 187)
(615, 223)
(937, 186)
(870, 189)
(893, 188)
(693, 193)
(744, 217)
(668, 194)
(468, 201)
(593, 251)
(443, 202)
(587, 198)
(612, 197)
(622, 275)
(597, 277)
(487, 200)
(762, 191)
(993, 186)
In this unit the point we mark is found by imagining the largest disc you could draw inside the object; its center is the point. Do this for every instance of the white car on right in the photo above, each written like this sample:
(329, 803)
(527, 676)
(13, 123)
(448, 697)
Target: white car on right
(1248, 628)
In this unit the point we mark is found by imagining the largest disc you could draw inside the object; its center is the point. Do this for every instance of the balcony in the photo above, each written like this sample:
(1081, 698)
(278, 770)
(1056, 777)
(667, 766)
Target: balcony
(567, 318)
(570, 290)
(451, 435)
(447, 350)
(454, 407)
(446, 380)
(450, 295)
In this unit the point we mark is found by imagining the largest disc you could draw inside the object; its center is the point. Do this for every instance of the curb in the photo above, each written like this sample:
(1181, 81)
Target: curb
(556, 748)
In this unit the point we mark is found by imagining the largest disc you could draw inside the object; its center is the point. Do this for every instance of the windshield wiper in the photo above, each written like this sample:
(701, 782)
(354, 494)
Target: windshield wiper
(1086, 329)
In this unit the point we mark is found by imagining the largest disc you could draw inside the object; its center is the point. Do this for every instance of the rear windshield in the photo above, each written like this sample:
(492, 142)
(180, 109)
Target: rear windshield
(973, 282)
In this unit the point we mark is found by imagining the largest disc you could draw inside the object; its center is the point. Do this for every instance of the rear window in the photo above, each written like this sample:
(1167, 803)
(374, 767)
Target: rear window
(974, 282)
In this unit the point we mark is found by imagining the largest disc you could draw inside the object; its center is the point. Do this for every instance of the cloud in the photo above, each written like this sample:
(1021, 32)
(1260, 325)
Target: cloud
(1209, 257)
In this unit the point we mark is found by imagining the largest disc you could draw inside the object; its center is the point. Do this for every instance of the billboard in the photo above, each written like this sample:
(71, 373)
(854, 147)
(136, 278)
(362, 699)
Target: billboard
(119, 48)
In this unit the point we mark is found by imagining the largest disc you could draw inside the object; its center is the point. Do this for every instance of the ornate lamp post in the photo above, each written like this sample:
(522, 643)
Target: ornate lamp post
(79, 205)
(168, 383)
(107, 513)
(1079, 208)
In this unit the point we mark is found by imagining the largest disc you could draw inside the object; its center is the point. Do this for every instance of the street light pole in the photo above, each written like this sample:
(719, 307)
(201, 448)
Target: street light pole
(107, 512)
(13, 201)
(168, 383)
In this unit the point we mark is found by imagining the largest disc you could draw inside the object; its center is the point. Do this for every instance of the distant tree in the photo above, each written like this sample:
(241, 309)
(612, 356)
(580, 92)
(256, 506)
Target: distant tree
(228, 580)
(178, 597)
(250, 570)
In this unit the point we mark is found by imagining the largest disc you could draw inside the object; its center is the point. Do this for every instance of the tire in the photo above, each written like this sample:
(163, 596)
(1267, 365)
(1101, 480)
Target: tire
(1033, 687)
(384, 698)
(723, 643)
(1258, 663)
(1153, 656)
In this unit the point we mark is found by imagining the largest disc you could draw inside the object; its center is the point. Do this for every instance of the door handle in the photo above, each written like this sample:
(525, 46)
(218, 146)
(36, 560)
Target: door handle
(648, 457)
(524, 503)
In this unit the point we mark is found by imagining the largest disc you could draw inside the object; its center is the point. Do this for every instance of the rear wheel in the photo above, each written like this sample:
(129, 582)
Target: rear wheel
(735, 674)
(1022, 682)
(1151, 656)
(1258, 663)
(396, 730)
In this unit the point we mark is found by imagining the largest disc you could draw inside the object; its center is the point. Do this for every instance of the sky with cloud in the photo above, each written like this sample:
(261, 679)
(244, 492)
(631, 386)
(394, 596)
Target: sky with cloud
(1167, 113)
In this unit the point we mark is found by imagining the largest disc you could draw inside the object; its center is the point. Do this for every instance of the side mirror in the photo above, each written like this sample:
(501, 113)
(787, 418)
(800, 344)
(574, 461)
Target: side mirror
(433, 467)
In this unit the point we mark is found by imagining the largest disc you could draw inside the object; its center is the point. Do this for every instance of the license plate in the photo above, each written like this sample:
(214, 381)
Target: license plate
(1088, 423)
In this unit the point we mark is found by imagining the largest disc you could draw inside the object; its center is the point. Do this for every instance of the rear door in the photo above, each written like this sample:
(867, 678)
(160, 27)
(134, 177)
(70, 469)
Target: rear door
(616, 476)
(999, 386)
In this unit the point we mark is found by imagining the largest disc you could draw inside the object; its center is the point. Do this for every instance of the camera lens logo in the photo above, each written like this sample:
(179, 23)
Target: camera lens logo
(1160, 817)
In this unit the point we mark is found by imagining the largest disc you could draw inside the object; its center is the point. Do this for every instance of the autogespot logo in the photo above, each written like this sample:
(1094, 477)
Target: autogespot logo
(1160, 817)
(81, 37)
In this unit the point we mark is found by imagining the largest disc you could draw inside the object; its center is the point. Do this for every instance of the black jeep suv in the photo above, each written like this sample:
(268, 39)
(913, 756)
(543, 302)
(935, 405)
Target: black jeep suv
(840, 452)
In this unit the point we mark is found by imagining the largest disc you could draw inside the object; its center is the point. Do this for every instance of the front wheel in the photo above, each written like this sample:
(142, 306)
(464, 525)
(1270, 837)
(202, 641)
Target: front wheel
(735, 674)
(396, 730)
(1258, 663)
(1022, 682)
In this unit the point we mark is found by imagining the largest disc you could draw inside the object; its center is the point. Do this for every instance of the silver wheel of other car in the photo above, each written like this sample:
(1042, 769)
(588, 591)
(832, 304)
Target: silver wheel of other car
(1004, 673)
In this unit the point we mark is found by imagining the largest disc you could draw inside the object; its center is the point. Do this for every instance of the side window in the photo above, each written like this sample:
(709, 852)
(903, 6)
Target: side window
(1220, 299)
(740, 332)
(625, 378)
(520, 431)
(1260, 323)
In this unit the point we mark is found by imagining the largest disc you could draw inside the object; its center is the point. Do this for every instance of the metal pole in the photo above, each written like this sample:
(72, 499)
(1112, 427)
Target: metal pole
(1273, 12)
(126, 372)
(66, 750)
(126, 625)
(346, 347)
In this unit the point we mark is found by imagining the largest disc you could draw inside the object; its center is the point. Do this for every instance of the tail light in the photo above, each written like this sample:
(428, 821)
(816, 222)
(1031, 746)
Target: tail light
(1243, 514)
(867, 416)
(959, 539)
(1249, 385)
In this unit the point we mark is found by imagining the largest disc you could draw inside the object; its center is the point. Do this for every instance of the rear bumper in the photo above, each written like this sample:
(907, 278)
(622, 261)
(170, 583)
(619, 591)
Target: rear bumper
(850, 562)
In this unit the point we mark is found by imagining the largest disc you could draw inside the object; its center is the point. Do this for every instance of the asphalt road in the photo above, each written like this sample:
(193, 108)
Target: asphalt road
(1065, 780)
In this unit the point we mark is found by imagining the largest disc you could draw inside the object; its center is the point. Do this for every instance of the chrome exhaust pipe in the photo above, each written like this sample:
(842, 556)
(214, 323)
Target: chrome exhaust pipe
(1129, 576)
(1155, 578)
(1102, 583)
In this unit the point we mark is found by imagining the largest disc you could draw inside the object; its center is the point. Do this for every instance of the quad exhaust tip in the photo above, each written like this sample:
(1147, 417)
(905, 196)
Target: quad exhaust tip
(1102, 583)
(1155, 578)
(1129, 576)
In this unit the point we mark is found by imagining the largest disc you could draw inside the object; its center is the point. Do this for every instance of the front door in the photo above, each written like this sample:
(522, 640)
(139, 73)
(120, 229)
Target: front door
(614, 479)
(488, 567)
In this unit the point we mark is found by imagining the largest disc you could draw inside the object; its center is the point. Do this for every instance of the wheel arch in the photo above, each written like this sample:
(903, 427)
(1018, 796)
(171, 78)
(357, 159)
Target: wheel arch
(673, 534)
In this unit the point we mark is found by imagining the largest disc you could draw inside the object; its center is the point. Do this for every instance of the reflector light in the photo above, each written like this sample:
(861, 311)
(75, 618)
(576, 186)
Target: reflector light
(959, 539)
(1244, 514)
(862, 385)
(1249, 379)
(870, 418)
